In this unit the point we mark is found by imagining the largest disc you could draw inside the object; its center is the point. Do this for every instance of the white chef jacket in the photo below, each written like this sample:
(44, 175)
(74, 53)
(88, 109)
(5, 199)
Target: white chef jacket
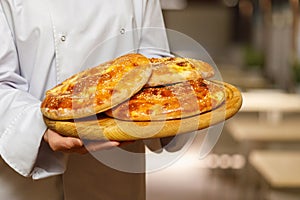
(43, 42)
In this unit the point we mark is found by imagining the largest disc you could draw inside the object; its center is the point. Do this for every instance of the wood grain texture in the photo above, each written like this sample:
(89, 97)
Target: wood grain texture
(102, 127)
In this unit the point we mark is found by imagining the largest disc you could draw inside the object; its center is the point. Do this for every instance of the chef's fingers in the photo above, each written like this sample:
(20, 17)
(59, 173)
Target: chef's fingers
(61, 143)
(101, 145)
(58, 142)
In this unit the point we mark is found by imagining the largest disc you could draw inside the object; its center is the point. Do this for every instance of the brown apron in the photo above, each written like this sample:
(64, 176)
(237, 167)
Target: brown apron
(88, 178)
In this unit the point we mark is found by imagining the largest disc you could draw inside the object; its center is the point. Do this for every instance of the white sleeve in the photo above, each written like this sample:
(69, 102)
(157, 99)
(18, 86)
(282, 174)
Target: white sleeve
(21, 122)
(154, 41)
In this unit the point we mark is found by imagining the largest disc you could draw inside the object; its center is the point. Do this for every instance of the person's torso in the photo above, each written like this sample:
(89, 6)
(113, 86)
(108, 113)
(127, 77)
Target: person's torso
(55, 38)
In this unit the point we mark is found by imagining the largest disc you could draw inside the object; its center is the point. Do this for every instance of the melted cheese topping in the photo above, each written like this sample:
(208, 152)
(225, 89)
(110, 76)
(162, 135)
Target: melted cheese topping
(170, 102)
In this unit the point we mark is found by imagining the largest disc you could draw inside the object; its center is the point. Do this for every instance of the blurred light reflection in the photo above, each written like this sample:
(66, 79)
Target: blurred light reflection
(224, 161)
(230, 3)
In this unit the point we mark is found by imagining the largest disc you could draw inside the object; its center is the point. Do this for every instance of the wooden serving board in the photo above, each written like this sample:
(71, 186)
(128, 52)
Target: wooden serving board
(102, 127)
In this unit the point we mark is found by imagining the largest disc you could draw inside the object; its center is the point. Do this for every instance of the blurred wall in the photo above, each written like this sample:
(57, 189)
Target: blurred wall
(208, 24)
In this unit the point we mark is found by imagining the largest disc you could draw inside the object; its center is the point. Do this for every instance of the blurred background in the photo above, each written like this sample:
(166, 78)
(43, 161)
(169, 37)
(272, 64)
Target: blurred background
(256, 46)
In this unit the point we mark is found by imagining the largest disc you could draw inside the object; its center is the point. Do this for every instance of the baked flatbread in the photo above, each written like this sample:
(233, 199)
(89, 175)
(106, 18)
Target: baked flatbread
(105, 127)
(169, 70)
(97, 89)
(174, 101)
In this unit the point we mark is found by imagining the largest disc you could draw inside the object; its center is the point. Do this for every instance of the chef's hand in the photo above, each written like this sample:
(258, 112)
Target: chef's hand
(170, 144)
(61, 143)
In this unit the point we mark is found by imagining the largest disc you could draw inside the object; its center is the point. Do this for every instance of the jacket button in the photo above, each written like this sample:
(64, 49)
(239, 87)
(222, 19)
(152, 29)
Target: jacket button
(122, 31)
(63, 38)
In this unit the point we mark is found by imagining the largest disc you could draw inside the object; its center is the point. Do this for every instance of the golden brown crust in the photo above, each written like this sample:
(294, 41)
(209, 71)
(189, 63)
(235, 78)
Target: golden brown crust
(170, 102)
(169, 70)
(97, 89)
